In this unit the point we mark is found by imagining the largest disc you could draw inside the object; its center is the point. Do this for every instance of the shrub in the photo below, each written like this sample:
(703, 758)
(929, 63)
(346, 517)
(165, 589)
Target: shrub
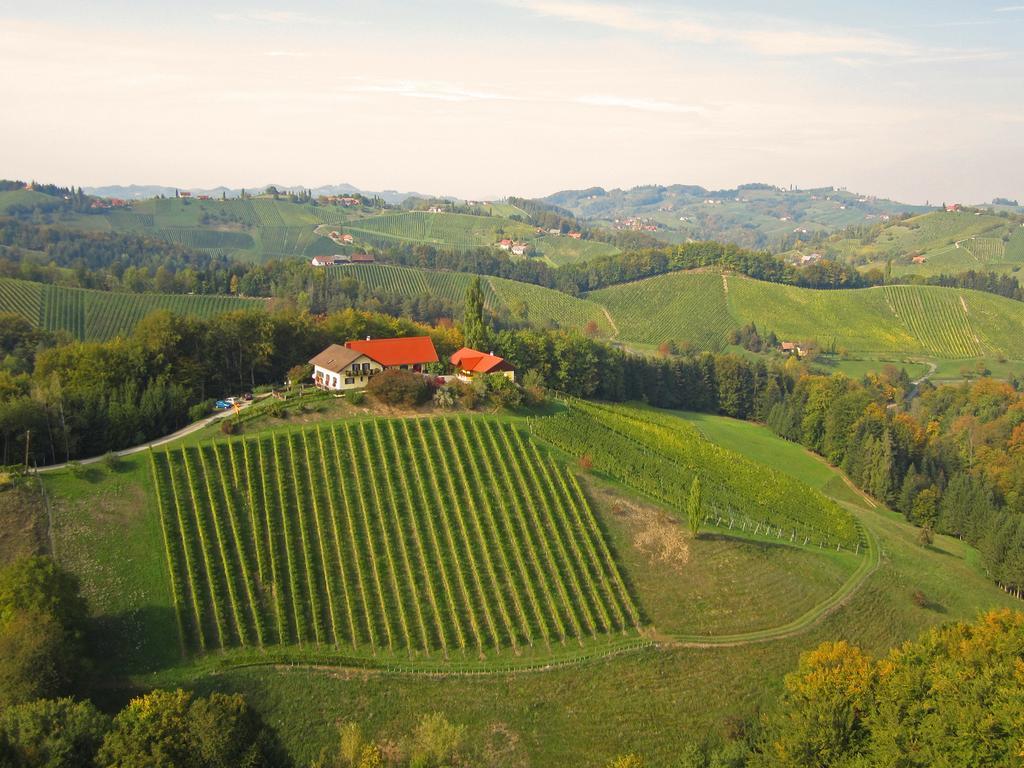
(397, 387)
(200, 410)
(356, 397)
(111, 461)
(228, 426)
(444, 398)
(920, 598)
(503, 392)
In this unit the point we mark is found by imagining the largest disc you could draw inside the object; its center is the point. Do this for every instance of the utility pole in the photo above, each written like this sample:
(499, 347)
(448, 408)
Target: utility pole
(28, 442)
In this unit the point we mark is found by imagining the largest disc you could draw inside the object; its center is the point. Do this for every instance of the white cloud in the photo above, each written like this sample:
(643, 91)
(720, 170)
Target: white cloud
(440, 91)
(644, 105)
(767, 36)
(266, 17)
(1010, 8)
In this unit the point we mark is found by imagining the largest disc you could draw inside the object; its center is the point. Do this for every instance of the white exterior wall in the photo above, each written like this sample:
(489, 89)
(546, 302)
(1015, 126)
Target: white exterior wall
(353, 377)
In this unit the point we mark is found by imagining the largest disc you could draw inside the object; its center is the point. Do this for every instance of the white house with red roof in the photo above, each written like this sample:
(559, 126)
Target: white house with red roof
(470, 362)
(351, 366)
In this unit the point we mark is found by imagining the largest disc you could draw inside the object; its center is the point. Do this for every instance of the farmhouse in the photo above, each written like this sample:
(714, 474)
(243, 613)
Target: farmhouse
(351, 366)
(468, 362)
(792, 348)
(575, 235)
(505, 244)
(519, 249)
(328, 261)
(361, 258)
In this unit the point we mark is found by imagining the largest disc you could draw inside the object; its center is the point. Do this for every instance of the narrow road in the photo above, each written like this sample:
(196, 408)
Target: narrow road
(183, 432)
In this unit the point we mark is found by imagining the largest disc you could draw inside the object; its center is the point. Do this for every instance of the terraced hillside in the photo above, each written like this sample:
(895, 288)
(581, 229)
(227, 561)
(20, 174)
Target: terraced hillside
(659, 454)
(100, 315)
(417, 537)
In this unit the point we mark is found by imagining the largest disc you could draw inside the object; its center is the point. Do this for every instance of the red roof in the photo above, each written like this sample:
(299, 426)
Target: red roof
(467, 359)
(408, 351)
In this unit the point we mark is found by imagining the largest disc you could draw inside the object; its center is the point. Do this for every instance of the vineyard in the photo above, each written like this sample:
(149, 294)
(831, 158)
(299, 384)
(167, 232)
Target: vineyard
(458, 231)
(285, 241)
(99, 315)
(545, 307)
(197, 237)
(685, 307)
(412, 538)
(936, 318)
(659, 454)
(409, 281)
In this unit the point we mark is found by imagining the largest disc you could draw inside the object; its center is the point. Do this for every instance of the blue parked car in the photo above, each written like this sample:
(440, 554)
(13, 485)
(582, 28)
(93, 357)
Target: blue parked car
(222, 405)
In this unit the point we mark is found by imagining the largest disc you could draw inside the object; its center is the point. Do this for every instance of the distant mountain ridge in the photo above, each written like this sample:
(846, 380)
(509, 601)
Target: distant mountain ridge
(146, 191)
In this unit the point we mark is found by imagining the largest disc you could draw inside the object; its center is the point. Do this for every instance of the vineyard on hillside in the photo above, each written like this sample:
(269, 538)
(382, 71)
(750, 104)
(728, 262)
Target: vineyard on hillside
(458, 231)
(197, 237)
(412, 282)
(546, 307)
(936, 318)
(425, 538)
(683, 306)
(659, 454)
(100, 315)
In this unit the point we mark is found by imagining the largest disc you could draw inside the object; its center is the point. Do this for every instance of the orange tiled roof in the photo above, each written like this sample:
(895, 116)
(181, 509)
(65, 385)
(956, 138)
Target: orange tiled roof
(407, 351)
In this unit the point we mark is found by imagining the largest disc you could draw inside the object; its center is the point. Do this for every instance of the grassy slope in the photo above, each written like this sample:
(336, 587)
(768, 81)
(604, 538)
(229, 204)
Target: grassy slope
(563, 716)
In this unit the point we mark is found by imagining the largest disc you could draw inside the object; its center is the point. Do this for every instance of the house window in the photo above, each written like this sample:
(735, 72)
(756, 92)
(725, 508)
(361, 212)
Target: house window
(350, 380)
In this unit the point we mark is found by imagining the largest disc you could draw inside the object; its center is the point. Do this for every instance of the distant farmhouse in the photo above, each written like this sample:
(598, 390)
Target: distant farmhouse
(351, 366)
(470, 362)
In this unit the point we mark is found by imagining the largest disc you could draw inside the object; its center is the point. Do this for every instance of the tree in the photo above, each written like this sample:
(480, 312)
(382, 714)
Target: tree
(51, 733)
(475, 332)
(695, 512)
(42, 617)
(170, 729)
(820, 720)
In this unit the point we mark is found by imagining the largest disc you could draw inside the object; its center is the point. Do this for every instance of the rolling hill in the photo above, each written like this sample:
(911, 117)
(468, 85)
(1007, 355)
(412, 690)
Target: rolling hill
(949, 242)
(90, 315)
(464, 547)
(753, 216)
(922, 320)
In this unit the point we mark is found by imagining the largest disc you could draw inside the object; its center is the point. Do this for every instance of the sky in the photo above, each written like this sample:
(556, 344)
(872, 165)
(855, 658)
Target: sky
(485, 98)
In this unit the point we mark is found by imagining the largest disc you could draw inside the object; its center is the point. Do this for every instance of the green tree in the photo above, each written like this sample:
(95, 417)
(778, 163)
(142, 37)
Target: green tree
(475, 331)
(42, 617)
(51, 733)
(170, 729)
(695, 511)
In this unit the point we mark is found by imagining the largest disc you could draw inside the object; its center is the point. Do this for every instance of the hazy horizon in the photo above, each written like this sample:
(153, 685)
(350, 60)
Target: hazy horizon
(518, 97)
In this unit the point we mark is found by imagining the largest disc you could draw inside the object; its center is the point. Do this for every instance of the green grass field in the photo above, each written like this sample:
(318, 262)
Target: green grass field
(90, 315)
(108, 531)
